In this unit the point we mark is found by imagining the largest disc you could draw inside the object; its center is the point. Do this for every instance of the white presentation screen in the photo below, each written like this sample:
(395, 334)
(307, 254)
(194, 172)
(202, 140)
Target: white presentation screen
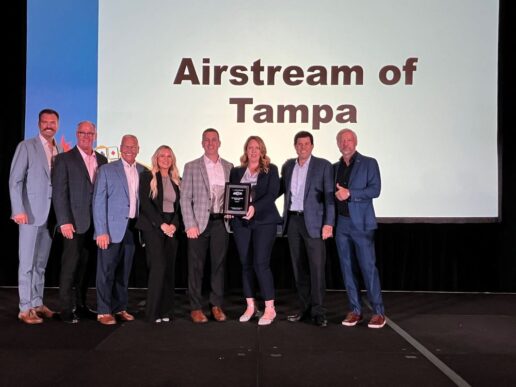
(416, 80)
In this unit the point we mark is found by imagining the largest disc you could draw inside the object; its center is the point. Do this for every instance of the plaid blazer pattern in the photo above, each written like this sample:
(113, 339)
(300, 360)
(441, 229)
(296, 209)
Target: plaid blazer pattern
(195, 193)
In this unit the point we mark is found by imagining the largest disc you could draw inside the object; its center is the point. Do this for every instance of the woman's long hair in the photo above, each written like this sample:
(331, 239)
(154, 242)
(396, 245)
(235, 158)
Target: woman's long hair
(263, 163)
(173, 172)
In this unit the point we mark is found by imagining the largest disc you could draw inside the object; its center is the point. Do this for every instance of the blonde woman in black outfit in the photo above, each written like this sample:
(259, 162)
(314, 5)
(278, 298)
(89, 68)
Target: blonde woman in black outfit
(159, 221)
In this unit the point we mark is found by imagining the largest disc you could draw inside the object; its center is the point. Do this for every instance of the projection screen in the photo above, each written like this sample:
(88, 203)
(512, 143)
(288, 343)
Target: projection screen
(417, 82)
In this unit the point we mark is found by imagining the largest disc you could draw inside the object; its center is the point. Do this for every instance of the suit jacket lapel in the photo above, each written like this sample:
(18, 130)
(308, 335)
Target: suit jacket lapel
(356, 166)
(78, 159)
(158, 200)
(204, 173)
(311, 172)
(40, 151)
(121, 175)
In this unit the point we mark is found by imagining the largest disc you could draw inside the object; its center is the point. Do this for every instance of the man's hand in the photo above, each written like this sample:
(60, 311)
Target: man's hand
(193, 233)
(342, 193)
(20, 218)
(67, 230)
(103, 241)
(327, 232)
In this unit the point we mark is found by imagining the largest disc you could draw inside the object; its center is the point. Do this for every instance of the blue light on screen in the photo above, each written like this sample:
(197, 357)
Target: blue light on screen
(62, 41)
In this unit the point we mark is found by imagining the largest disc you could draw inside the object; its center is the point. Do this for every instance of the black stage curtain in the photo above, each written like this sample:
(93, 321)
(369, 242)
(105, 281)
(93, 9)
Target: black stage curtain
(433, 257)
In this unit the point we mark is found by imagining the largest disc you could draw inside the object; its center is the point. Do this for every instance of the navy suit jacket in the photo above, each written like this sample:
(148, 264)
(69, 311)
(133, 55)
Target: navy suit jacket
(264, 196)
(319, 195)
(73, 190)
(364, 185)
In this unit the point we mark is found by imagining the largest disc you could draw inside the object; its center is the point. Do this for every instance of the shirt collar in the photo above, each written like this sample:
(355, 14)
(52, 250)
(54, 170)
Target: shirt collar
(307, 162)
(208, 161)
(44, 141)
(84, 154)
(126, 164)
(351, 160)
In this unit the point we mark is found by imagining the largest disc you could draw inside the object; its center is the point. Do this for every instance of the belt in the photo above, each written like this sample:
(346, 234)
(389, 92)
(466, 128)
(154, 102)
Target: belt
(296, 213)
(216, 216)
(131, 222)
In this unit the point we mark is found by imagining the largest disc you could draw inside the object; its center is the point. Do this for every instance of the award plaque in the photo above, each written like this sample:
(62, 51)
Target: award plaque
(236, 198)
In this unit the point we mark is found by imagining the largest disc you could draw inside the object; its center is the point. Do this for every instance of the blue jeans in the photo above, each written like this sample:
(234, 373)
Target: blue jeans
(356, 251)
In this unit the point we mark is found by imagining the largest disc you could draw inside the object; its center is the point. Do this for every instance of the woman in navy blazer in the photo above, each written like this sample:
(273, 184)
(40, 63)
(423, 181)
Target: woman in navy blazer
(159, 221)
(256, 231)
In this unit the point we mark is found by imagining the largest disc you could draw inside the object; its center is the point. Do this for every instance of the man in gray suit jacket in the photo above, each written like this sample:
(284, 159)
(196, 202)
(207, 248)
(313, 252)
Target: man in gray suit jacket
(308, 219)
(30, 189)
(72, 180)
(115, 209)
(202, 191)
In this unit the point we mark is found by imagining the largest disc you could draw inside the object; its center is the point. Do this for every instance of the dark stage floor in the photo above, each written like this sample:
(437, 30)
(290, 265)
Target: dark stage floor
(432, 339)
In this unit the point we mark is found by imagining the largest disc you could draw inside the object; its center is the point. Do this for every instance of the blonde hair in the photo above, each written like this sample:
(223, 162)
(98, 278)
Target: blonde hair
(263, 163)
(173, 172)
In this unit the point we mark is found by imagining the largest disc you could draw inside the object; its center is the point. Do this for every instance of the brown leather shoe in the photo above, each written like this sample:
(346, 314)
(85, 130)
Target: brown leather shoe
(44, 311)
(124, 316)
(377, 321)
(218, 314)
(106, 319)
(198, 316)
(352, 319)
(29, 317)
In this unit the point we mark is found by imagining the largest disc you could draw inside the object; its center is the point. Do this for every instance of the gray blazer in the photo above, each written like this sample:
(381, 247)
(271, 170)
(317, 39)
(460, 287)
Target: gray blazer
(111, 201)
(73, 189)
(30, 186)
(195, 193)
(319, 195)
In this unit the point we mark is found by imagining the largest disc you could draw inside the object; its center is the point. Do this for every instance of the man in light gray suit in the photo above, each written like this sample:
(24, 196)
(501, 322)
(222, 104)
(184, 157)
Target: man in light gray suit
(202, 191)
(308, 219)
(30, 189)
(115, 209)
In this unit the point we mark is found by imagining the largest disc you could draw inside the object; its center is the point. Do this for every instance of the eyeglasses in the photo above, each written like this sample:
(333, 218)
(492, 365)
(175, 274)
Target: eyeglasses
(84, 134)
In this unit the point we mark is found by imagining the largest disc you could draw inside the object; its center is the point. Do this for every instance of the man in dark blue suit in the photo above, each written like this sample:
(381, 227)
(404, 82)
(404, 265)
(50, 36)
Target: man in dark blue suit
(308, 219)
(357, 182)
(72, 180)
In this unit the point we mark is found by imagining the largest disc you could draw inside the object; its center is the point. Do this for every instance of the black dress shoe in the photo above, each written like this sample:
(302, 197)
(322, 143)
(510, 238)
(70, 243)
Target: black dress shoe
(69, 318)
(300, 316)
(86, 313)
(320, 321)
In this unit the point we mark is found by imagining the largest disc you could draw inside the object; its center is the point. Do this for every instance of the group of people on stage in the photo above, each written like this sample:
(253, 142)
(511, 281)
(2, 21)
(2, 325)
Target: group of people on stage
(100, 207)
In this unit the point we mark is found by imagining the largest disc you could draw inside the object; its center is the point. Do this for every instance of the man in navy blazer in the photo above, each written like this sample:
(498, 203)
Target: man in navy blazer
(357, 183)
(308, 219)
(115, 209)
(72, 180)
(30, 189)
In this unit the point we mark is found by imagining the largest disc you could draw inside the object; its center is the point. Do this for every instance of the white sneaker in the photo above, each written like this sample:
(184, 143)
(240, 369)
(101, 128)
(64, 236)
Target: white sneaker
(267, 319)
(158, 321)
(246, 317)
(165, 319)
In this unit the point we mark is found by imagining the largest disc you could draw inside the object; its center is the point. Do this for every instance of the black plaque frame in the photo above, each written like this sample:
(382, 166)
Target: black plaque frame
(236, 198)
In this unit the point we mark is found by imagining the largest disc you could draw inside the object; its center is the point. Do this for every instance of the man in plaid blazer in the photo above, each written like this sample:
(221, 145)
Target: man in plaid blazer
(202, 192)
